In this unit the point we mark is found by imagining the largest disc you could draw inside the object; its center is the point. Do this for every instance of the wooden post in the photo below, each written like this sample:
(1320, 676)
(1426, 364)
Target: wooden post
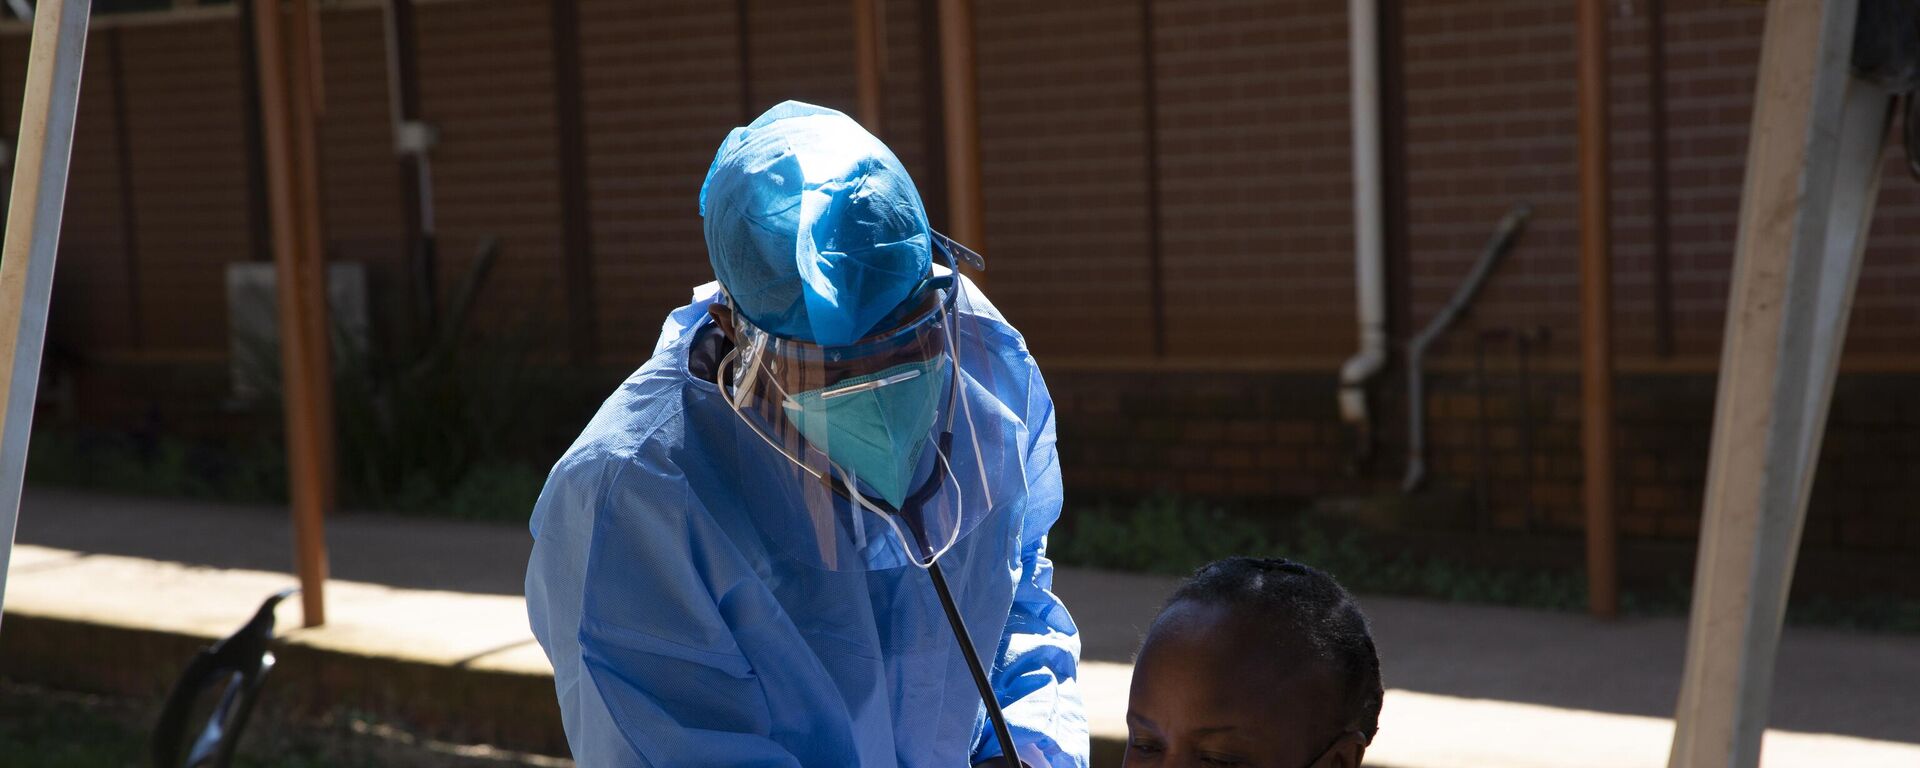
(1813, 164)
(288, 74)
(1596, 315)
(33, 236)
(966, 219)
(869, 48)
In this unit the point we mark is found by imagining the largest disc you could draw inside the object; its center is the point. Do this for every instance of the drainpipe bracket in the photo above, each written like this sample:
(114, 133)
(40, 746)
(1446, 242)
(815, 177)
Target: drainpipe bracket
(414, 137)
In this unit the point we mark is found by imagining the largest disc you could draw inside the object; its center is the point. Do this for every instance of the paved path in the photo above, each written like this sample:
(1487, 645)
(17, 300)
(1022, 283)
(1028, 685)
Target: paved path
(1471, 685)
(1827, 681)
(419, 553)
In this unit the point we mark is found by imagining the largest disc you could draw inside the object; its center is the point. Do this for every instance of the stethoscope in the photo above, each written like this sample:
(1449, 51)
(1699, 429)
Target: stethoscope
(836, 479)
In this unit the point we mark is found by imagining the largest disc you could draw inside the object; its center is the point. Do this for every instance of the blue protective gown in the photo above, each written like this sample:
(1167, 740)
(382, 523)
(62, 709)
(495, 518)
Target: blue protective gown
(681, 636)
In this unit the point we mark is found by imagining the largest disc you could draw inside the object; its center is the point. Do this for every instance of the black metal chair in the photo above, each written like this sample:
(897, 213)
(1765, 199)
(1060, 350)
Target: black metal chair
(207, 710)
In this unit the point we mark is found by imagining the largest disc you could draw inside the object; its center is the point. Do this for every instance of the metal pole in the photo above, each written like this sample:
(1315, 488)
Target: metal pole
(869, 48)
(1813, 168)
(1369, 236)
(967, 209)
(412, 141)
(33, 235)
(1596, 315)
(287, 72)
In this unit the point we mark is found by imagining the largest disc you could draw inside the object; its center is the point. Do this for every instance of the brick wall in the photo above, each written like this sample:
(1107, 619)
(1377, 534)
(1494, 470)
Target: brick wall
(94, 295)
(184, 112)
(1257, 210)
(1243, 147)
(360, 187)
(1245, 435)
(1062, 129)
(652, 123)
(1250, 163)
(1503, 450)
(486, 81)
(1491, 122)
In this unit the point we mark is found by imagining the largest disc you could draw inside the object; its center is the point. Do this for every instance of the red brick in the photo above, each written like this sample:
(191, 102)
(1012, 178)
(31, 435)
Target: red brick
(1249, 432)
(1234, 458)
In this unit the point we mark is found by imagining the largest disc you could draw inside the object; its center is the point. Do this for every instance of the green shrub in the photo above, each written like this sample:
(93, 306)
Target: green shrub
(254, 471)
(1164, 534)
(450, 424)
(1169, 535)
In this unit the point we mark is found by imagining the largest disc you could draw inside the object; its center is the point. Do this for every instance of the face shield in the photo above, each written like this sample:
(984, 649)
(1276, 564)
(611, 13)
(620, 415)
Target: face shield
(872, 443)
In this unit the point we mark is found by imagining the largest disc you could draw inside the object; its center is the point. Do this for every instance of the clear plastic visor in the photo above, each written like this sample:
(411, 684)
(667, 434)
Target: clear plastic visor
(871, 445)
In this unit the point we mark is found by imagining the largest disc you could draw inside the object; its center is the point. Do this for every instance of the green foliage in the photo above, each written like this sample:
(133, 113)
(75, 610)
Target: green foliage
(1881, 614)
(250, 471)
(410, 434)
(1163, 534)
(490, 491)
(467, 476)
(1364, 564)
(442, 426)
(1168, 535)
(469, 436)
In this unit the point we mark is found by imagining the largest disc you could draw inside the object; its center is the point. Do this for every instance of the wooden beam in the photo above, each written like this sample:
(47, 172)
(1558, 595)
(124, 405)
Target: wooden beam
(1813, 164)
(869, 49)
(288, 112)
(966, 220)
(1596, 315)
(52, 97)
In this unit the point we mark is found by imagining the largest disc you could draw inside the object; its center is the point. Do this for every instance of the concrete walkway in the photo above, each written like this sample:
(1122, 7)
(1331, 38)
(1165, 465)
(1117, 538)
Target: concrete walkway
(436, 605)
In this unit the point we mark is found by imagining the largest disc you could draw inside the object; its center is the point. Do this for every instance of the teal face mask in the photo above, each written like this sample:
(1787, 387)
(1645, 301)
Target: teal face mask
(874, 426)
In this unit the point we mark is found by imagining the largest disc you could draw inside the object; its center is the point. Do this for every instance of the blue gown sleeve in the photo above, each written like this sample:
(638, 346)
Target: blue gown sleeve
(645, 667)
(1034, 676)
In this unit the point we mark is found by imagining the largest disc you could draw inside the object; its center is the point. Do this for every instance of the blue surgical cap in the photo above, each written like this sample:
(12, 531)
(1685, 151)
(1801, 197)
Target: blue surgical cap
(813, 226)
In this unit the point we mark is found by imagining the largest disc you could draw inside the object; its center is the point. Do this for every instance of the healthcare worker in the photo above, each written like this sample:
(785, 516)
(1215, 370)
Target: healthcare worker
(736, 563)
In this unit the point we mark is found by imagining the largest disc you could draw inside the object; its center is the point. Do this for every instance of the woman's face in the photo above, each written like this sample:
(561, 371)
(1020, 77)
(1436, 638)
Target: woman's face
(1213, 690)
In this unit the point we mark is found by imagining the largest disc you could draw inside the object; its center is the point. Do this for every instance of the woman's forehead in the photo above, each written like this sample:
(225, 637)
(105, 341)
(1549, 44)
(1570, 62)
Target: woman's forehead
(1211, 659)
(1206, 700)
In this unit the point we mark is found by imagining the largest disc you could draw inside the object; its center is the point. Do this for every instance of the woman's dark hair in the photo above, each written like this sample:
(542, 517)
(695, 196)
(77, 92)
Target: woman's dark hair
(1305, 606)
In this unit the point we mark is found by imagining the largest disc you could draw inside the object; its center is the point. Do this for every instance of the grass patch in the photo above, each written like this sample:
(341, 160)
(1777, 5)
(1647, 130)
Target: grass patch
(44, 728)
(40, 728)
(493, 489)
